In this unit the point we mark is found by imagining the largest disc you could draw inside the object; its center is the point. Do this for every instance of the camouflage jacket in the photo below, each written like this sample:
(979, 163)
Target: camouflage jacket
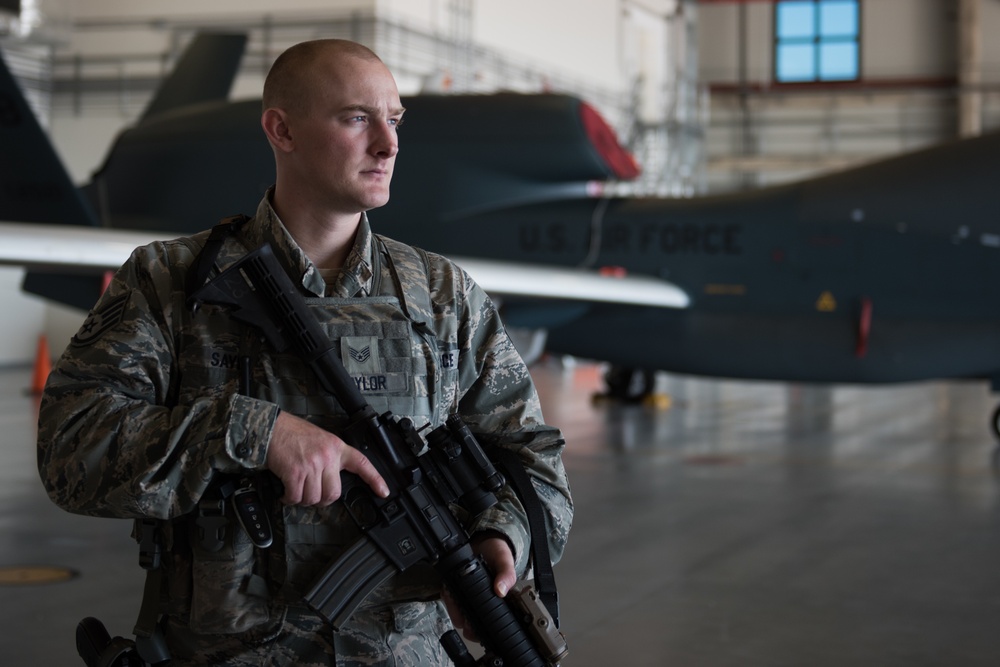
(142, 411)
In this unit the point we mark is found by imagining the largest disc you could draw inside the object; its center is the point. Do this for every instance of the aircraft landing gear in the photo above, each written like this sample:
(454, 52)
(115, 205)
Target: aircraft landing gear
(632, 385)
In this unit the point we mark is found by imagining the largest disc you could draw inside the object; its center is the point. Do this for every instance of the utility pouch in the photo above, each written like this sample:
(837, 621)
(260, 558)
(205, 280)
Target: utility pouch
(227, 595)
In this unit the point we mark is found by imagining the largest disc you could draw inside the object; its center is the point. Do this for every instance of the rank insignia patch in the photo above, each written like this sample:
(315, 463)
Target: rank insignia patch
(100, 321)
(362, 355)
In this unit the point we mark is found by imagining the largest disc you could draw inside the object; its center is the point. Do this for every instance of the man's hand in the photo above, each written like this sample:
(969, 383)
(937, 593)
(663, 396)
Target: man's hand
(496, 551)
(308, 461)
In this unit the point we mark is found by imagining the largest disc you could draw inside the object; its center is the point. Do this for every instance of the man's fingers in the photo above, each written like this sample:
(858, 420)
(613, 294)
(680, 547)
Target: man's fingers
(293, 490)
(293, 494)
(308, 460)
(495, 550)
(312, 490)
(331, 487)
(356, 462)
(505, 579)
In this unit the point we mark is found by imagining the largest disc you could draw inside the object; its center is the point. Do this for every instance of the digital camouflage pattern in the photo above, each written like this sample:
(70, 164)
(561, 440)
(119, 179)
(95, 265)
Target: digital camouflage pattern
(405, 636)
(143, 415)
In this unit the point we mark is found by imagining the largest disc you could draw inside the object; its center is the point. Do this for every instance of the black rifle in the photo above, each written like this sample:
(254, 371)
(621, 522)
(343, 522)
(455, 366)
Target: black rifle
(414, 524)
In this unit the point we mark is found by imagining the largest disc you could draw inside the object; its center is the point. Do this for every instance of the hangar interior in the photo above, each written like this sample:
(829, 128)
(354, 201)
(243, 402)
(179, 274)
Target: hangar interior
(751, 523)
(692, 88)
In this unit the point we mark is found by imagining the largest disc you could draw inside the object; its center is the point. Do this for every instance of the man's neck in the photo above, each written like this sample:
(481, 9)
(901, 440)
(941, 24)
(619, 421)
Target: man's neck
(327, 243)
(325, 238)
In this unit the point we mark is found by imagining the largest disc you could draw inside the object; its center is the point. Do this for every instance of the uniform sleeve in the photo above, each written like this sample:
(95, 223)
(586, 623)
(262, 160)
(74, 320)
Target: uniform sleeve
(501, 407)
(112, 440)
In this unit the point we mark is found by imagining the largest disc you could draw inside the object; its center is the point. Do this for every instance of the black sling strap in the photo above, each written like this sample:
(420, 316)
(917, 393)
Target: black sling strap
(202, 266)
(545, 580)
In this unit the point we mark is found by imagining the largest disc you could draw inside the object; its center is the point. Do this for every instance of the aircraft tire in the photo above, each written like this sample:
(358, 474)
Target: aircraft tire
(627, 384)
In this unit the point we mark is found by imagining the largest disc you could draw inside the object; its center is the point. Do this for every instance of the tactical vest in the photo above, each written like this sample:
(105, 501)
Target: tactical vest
(396, 351)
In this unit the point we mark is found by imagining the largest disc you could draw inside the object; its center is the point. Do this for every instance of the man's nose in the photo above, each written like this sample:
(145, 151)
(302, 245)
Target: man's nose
(386, 142)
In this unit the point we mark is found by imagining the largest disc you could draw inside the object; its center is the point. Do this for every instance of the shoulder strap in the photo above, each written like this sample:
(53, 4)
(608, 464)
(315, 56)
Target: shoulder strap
(545, 580)
(202, 265)
(409, 266)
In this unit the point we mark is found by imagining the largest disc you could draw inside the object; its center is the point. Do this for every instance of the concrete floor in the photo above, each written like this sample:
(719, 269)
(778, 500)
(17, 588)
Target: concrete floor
(749, 524)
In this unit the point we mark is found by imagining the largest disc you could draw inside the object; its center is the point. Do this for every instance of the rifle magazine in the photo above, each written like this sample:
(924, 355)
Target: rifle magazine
(348, 581)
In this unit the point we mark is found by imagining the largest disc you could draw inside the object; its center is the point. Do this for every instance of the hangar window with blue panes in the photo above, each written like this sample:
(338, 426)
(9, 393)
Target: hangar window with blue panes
(816, 40)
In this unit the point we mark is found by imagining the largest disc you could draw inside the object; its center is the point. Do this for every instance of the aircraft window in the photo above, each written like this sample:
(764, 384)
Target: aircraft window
(816, 40)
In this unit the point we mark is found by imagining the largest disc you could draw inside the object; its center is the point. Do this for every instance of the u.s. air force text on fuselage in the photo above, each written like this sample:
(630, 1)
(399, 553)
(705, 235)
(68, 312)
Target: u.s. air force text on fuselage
(670, 239)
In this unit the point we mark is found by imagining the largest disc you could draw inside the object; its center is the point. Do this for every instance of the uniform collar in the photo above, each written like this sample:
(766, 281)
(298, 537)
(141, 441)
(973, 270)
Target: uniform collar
(355, 278)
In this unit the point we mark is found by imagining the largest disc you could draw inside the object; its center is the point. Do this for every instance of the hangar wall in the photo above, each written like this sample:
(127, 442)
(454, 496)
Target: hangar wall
(907, 95)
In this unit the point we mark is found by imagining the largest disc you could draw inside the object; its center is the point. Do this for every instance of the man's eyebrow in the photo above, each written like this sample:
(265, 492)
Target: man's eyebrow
(372, 111)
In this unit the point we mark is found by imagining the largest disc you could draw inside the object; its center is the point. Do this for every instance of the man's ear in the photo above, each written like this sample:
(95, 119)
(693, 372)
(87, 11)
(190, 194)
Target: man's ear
(275, 125)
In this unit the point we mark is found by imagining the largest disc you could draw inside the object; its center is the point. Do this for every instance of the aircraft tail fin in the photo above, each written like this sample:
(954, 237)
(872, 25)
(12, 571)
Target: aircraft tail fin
(36, 188)
(204, 73)
(34, 183)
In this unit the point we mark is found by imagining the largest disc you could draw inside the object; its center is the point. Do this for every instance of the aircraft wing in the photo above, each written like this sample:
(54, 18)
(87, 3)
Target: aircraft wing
(75, 249)
(549, 282)
(69, 248)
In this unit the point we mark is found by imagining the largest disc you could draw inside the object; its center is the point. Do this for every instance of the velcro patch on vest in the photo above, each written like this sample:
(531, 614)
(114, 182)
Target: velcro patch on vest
(363, 362)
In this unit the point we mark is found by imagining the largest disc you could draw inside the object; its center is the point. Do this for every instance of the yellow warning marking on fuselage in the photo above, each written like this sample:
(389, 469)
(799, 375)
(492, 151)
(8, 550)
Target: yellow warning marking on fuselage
(826, 303)
(34, 574)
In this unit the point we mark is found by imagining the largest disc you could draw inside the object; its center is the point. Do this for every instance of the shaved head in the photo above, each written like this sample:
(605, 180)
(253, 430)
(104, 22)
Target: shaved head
(293, 75)
(331, 109)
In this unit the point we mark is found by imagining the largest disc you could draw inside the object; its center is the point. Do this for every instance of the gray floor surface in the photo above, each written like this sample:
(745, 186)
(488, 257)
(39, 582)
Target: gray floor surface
(748, 524)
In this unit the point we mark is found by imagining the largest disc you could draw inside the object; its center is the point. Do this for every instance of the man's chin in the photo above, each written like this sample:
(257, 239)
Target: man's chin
(376, 202)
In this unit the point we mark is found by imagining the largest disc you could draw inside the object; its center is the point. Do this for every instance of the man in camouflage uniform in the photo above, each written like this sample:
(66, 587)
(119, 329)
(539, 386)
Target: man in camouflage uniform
(154, 408)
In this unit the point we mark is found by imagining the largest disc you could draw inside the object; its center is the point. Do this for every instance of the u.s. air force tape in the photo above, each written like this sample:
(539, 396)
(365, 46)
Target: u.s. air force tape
(99, 321)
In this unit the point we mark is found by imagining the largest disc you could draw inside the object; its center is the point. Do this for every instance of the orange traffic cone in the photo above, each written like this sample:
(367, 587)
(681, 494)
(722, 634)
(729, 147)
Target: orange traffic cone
(43, 365)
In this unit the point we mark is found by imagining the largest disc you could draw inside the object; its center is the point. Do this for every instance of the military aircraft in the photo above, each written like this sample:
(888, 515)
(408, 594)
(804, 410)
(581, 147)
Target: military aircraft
(881, 273)
(190, 117)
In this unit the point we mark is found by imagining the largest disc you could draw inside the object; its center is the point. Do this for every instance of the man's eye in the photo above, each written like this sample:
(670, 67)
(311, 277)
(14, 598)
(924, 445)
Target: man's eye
(396, 121)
